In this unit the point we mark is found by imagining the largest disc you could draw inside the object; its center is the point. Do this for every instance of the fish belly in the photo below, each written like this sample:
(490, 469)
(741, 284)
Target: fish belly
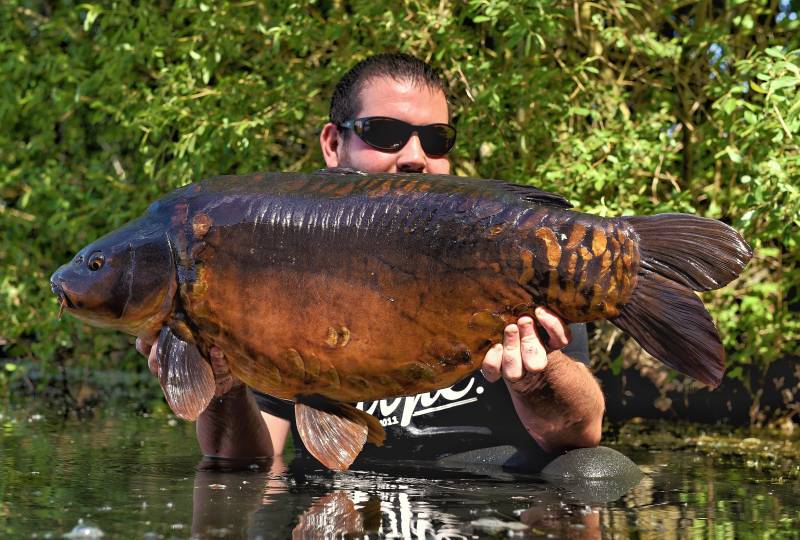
(357, 328)
(359, 301)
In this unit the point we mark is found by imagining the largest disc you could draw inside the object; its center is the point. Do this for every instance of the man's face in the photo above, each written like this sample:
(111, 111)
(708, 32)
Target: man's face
(399, 99)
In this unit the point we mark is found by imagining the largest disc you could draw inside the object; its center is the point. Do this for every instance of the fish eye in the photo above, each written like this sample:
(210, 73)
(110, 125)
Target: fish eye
(95, 262)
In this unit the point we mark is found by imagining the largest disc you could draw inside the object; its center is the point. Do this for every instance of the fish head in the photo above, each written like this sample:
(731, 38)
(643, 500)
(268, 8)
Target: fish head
(125, 280)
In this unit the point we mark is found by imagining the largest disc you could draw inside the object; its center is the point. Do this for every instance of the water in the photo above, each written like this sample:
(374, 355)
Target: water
(126, 476)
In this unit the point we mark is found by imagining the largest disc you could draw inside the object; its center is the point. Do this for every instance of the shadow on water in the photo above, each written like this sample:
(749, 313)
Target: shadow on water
(141, 477)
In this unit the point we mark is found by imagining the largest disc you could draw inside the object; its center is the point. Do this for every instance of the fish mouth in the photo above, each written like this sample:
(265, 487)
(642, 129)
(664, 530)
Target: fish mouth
(63, 299)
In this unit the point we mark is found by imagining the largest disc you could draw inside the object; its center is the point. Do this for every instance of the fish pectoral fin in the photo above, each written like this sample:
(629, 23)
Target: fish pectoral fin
(186, 377)
(335, 433)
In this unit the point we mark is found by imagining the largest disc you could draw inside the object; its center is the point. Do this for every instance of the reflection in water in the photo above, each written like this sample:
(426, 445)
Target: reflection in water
(223, 502)
(333, 515)
(549, 514)
(454, 504)
(319, 504)
(139, 477)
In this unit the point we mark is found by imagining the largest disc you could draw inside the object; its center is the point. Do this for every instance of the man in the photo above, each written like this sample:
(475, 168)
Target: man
(546, 402)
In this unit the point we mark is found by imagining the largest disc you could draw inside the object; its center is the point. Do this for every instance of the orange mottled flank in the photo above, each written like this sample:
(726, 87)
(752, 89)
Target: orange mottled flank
(629, 254)
(599, 242)
(572, 263)
(552, 248)
(526, 257)
(589, 266)
(553, 289)
(605, 262)
(495, 230)
(576, 235)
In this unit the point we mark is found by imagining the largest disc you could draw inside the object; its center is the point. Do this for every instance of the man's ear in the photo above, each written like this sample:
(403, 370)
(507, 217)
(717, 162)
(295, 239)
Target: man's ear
(329, 142)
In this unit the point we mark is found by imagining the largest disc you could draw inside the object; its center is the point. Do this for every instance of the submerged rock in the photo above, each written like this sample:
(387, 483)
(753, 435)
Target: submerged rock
(593, 475)
(595, 463)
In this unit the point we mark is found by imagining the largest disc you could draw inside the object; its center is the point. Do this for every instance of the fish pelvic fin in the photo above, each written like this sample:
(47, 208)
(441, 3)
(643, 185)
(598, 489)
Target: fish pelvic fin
(335, 433)
(186, 377)
(680, 254)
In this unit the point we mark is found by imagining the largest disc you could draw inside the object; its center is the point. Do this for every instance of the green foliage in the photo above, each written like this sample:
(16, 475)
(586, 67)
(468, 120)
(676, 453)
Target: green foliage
(623, 107)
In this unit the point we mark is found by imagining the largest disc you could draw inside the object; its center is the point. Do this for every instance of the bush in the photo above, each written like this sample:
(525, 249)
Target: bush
(622, 107)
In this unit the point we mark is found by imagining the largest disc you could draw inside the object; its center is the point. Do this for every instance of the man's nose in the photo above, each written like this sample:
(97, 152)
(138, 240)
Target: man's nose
(411, 158)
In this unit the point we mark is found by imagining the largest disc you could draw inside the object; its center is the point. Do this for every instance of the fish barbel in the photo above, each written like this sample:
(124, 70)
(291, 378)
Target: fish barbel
(331, 288)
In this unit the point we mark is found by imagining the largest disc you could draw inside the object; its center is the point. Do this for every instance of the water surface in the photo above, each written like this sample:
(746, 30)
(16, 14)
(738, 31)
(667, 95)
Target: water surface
(133, 476)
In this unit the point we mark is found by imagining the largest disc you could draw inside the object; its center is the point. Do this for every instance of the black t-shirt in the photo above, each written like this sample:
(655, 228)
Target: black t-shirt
(470, 415)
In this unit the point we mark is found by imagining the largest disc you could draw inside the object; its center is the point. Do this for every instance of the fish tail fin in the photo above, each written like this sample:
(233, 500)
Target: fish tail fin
(700, 253)
(335, 433)
(680, 254)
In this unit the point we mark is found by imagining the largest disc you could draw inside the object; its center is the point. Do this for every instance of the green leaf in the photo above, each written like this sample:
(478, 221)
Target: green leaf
(92, 13)
(729, 105)
(775, 52)
(783, 82)
(735, 373)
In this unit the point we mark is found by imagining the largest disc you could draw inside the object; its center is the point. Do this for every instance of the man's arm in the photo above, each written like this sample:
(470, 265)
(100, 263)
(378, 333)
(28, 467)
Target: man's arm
(556, 398)
(231, 426)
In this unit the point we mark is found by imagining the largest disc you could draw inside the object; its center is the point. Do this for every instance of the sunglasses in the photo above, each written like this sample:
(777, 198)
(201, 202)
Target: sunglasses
(390, 134)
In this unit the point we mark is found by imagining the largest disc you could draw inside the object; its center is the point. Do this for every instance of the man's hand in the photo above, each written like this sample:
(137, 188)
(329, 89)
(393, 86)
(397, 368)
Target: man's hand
(522, 351)
(147, 348)
(223, 378)
(232, 426)
(556, 399)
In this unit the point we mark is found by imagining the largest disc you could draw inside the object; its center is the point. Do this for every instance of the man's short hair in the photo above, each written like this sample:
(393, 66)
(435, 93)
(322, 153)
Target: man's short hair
(345, 104)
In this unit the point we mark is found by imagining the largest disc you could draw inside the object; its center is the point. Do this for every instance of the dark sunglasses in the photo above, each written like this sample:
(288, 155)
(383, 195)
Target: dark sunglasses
(391, 134)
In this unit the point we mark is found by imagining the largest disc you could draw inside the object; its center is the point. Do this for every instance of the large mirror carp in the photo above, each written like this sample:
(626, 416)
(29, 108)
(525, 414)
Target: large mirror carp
(331, 288)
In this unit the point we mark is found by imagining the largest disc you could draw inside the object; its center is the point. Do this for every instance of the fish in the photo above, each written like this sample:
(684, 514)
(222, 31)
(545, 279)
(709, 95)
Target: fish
(335, 287)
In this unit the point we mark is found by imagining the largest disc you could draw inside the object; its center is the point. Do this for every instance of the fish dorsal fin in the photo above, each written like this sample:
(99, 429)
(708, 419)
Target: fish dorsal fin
(335, 433)
(536, 195)
(449, 183)
(186, 377)
(489, 186)
(341, 171)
